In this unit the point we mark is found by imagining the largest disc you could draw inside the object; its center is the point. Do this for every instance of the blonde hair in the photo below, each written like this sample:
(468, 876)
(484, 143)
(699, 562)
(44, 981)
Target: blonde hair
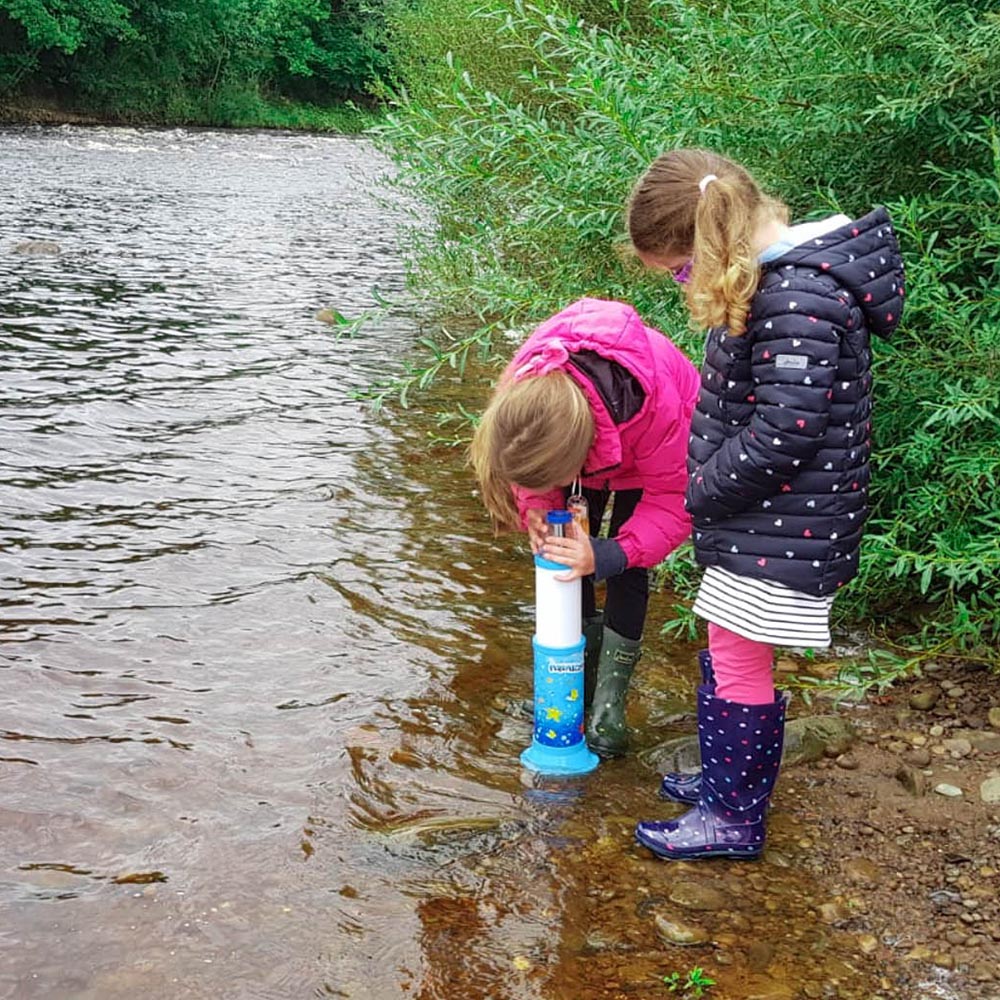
(534, 433)
(671, 214)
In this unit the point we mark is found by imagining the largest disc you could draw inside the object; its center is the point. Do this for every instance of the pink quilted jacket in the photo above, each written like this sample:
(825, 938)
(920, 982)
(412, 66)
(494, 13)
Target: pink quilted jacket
(649, 450)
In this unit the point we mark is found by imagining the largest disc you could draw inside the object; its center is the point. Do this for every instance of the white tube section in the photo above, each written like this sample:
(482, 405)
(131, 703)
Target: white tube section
(557, 607)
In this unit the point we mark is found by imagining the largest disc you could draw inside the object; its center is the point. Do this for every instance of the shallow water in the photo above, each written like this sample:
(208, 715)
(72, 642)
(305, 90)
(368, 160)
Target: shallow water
(260, 654)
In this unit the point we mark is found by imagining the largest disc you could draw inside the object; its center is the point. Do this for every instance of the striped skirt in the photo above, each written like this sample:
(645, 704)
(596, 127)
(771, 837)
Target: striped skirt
(763, 610)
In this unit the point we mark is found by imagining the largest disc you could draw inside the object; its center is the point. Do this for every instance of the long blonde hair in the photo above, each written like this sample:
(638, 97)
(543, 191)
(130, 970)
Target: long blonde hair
(534, 433)
(674, 212)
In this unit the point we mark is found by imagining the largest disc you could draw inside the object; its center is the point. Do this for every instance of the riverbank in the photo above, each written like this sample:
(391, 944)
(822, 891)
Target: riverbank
(905, 829)
(891, 810)
(347, 119)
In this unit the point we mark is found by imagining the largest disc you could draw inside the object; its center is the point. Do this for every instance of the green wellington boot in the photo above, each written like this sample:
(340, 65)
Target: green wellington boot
(607, 734)
(593, 633)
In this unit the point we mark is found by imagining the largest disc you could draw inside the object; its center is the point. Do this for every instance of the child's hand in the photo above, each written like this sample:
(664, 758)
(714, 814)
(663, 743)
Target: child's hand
(537, 529)
(576, 552)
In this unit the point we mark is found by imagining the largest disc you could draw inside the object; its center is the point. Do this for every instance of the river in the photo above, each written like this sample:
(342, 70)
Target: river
(260, 654)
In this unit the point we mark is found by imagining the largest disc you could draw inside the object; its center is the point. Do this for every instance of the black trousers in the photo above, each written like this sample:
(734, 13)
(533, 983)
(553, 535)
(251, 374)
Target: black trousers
(627, 594)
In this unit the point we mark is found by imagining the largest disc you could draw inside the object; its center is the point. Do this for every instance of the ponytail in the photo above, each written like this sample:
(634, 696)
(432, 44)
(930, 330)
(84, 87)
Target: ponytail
(696, 203)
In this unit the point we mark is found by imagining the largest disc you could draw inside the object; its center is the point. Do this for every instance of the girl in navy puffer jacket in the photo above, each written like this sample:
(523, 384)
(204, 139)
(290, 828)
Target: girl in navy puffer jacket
(777, 459)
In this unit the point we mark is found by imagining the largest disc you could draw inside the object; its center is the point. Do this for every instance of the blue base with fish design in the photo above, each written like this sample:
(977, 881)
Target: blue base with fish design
(558, 745)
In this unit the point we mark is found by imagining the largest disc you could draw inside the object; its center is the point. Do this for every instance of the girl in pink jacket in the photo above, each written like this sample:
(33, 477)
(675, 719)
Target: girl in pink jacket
(595, 396)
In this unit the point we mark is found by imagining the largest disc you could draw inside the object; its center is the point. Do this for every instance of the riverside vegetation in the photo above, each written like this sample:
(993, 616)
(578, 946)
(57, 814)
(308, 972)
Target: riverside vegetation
(290, 63)
(524, 125)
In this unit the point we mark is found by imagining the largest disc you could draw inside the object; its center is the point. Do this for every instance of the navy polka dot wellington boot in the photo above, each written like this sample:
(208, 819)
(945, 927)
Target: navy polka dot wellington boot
(687, 787)
(740, 756)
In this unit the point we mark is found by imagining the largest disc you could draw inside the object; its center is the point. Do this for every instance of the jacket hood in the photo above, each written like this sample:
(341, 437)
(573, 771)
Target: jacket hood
(613, 329)
(863, 256)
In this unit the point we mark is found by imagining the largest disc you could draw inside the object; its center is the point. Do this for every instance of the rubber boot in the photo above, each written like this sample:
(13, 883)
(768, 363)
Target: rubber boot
(740, 756)
(593, 633)
(607, 733)
(687, 787)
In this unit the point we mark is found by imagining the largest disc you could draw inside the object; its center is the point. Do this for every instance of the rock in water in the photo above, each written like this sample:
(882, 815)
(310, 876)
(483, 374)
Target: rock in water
(38, 248)
(806, 740)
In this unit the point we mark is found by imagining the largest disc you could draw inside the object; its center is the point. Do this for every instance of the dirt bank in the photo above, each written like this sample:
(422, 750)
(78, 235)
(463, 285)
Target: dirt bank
(905, 828)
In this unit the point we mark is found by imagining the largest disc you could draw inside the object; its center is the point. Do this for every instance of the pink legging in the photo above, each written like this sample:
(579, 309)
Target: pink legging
(743, 667)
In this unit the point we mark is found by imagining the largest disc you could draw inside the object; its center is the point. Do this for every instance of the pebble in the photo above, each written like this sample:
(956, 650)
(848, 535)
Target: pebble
(862, 870)
(994, 716)
(918, 757)
(695, 896)
(912, 780)
(956, 692)
(983, 972)
(989, 791)
(958, 748)
(867, 943)
(847, 761)
(923, 699)
(834, 913)
(937, 730)
(950, 791)
(981, 739)
(760, 955)
(673, 931)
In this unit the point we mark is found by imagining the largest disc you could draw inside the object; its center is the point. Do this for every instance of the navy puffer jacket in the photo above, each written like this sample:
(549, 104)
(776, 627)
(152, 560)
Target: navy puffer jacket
(779, 448)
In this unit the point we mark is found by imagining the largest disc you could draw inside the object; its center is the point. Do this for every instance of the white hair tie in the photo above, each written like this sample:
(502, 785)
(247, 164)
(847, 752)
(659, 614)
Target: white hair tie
(705, 181)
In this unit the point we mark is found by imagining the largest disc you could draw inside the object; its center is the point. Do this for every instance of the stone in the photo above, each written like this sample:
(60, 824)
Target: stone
(983, 972)
(806, 741)
(924, 697)
(834, 913)
(989, 791)
(760, 955)
(847, 761)
(677, 932)
(868, 943)
(949, 791)
(696, 896)
(979, 739)
(862, 870)
(994, 717)
(957, 748)
(918, 757)
(914, 781)
(41, 248)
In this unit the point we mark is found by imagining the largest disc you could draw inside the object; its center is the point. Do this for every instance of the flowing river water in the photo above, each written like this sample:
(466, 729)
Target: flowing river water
(260, 655)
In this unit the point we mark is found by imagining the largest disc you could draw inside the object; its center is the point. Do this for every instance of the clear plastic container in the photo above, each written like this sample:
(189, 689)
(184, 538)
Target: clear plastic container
(557, 521)
(577, 506)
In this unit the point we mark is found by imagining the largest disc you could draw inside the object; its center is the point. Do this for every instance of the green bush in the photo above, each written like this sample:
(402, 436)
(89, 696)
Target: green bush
(210, 61)
(525, 139)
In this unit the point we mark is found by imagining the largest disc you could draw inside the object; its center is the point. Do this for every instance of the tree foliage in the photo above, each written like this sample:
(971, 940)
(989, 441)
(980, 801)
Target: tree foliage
(165, 56)
(526, 141)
